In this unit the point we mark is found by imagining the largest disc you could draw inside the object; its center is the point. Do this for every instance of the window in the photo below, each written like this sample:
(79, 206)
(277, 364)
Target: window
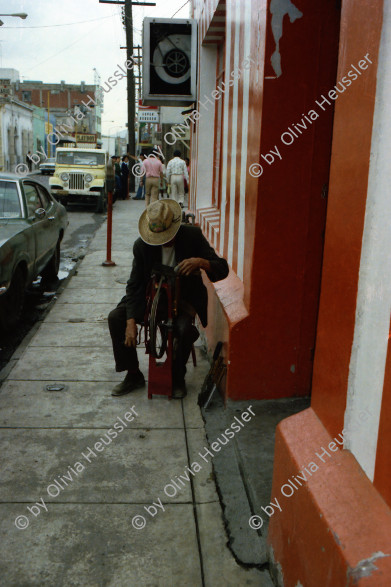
(9, 200)
(46, 202)
(32, 199)
(26, 96)
(80, 158)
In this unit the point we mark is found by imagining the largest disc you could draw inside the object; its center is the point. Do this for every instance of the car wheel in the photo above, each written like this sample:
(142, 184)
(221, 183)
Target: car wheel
(12, 302)
(51, 270)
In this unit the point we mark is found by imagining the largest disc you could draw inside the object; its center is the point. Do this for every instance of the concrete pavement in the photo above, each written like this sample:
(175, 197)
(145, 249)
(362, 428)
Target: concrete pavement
(78, 491)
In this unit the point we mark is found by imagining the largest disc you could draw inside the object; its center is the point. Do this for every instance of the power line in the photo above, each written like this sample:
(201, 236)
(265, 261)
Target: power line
(49, 26)
(180, 9)
(62, 50)
(78, 40)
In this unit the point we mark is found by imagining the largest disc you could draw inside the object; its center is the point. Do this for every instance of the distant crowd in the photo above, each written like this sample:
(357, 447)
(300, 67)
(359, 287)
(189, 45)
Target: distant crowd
(155, 179)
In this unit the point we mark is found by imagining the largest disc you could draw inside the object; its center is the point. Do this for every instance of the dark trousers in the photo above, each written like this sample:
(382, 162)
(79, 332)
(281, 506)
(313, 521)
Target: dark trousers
(117, 191)
(124, 187)
(185, 334)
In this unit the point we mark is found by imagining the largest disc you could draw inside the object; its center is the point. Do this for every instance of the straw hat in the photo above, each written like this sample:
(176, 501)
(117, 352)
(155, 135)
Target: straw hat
(160, 222)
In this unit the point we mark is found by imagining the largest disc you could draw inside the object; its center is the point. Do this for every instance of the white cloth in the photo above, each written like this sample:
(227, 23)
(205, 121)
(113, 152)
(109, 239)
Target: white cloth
(177, 188)
(168, 256)
(176, 166)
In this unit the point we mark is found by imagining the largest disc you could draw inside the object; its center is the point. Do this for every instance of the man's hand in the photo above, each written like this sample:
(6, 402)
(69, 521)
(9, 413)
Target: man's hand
(131, 333)
(189, 266)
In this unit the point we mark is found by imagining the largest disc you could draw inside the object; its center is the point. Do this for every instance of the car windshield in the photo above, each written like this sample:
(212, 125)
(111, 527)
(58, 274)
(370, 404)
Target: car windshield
(9, 200)
(80, 158)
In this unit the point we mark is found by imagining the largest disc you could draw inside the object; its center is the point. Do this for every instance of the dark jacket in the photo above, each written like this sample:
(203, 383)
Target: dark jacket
(189, 242)
(124, 169)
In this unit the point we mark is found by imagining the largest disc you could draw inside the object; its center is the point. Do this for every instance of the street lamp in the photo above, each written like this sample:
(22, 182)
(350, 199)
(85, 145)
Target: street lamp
(21, 15)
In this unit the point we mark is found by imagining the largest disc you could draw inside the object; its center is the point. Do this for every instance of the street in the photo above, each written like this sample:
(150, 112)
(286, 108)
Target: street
(83, 223)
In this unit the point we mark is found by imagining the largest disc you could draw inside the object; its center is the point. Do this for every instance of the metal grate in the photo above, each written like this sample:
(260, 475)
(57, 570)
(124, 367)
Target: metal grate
(76, 181)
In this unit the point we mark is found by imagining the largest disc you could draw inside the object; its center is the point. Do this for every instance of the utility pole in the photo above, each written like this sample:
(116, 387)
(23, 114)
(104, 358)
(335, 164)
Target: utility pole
(49, 145)
(130, 77)
(130, 90)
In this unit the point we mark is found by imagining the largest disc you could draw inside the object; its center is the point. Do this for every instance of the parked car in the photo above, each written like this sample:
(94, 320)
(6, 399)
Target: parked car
(32, 225)
(47, 166)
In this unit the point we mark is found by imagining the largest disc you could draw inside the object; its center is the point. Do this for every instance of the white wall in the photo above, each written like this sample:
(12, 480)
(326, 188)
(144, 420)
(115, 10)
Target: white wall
(205, 155)
(8, 73)
(15, 116)
(109, 144)
(171, 114)
(374, 291)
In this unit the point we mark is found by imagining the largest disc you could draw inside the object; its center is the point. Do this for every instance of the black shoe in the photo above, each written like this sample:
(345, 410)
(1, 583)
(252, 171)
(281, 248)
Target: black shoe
(179, 390)
(131, 382)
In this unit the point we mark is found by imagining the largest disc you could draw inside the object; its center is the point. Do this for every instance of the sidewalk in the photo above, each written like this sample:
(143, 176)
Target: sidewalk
(79, 494)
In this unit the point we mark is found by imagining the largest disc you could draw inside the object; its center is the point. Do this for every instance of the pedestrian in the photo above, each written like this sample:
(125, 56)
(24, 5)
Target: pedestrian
(163, 181)
(117, 170)
(140, 195)
(28, 160)
(164, 240)
(153, 174)
(176, 173)
(124, 177)
(187, 182)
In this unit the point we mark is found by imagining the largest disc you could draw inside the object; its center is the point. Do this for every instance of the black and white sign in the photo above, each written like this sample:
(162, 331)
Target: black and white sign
(148, 116)
(169, 61)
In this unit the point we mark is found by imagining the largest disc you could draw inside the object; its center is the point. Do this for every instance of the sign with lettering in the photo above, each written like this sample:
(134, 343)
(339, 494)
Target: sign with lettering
(148, 116)
(85, 138)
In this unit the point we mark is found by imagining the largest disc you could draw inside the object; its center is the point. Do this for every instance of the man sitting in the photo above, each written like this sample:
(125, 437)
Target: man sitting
(164, 240)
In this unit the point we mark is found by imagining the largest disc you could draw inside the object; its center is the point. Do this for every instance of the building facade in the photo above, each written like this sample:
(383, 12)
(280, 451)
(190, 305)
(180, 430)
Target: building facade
(16, 130)
(70, 108)
(63, 101)
(115, 144)
(39, 130)
(290, 182)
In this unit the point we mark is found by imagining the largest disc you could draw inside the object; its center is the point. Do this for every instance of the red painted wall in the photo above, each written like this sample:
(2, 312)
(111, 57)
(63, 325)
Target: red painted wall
(271, 352)
(63, 99)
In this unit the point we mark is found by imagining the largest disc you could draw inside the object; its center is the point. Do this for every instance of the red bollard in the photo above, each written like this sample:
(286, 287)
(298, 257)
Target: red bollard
(109, 262)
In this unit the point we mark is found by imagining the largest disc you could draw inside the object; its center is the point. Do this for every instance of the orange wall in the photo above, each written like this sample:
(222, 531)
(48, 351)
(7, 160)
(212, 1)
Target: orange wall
(360, 34)
(322, 537)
